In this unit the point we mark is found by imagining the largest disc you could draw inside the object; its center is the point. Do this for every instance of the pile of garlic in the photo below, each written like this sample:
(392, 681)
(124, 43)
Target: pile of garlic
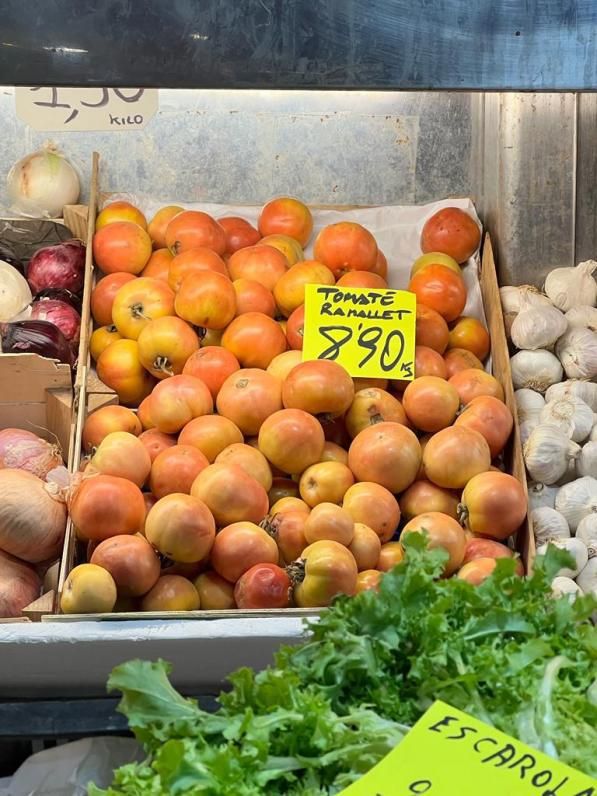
(554, 372)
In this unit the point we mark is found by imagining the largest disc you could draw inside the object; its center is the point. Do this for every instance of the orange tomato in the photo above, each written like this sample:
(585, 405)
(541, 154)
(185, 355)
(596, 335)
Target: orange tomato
(254, 339)
(386, 453)
(430, 403)
(455, 455)
(443, 532)
(452, 231)
(291, 440)
(362, 279)
(120, 211)
(371, 406)
(423, 497)
(289, 247)
(139, 302)
(192, 228)
(458, 359)
(121, 246)
(435, 258)
(330, 569)
(495, 504)
(441, 289)
(193, 261)
(165, 345)
(120, 369)
(346, 246)
(289, 291)
(286, 216)
(206, 299)
(101, 339)
(491, 418)
(158, 224)
(212, 364)
(260, 263)
(252, 296)
(373, 505)
(239, 233)
(177, 400)
(473, 383)
(210, 434)
(470, 334)
(102, 296)
(158, 265)
(431, 329)
(320, 387)
(247, 397)
(295, 328)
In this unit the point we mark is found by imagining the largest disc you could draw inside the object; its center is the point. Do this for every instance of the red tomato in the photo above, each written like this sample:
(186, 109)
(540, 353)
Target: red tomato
(263, 586)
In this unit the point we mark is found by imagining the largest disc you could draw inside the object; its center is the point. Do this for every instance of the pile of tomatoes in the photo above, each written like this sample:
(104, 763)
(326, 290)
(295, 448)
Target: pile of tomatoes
(232, 473)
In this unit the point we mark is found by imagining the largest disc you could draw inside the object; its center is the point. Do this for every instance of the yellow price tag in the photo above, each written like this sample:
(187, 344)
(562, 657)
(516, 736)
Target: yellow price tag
(370, 332)
(448, 753)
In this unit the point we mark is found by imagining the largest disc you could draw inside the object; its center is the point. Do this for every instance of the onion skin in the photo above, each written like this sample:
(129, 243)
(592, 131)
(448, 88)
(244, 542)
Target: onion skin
(61, 314)
(58, 266)
(23, 450)
(19, 585)
(35, 337)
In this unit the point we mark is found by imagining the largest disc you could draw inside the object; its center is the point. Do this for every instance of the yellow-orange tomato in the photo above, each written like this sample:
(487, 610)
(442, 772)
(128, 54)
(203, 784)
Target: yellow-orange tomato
(327, 521)
(375, 506)
(368, 580)
(452, 231)
(120, 369)
(365, 546)
(192, 228)
(177, 400)
(104, 421)
(458, 359)
(289, 291)
(286, 216)
(171, 593)
(325, 482)
(194, 261)
(175, 470)
(158, 265)
(434, 258)
(124, 455)
(210, 434)
(158, 224)
(249, 459)
(330, 569)
(289, 503)
(391, 554)
(206, 299)
(430, 403)
(261, 263)
(470, 334)
(454, 455)
(473, 383)
(289, 247)
(371, 406)
(215, 593)
(121, 246)
(386, 453)
(423, 497)
(491, 418)
(346, 246)
(248, 397)
(444, 532)
(120, 211)
(101, 339)
(494, 504)
(139, 302)
(252, 296)
(254, 339)
(144, 413)
(165, 344)
(291, 440)
(181, 528)
(283, 363)
(320, 387)
(333, 452)
(231, 494)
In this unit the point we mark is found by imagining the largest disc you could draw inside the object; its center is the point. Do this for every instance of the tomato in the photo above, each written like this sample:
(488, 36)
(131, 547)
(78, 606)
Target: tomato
(431, 329)
(124, 455)
(491, 418)
(475, 572)
(454, 455)
(371, 406)
(181, 528)
(329, 521)
(495, 505)
(473, 383)
(477, 547)
(102, 506)
(390, 555)
(286, 216)
(251, 460)
(120, 369)
(175, 470)
(240, 546)
(295, 328)
(177, 400)
(289, 503)
(171, 593)
(165, 345)
(215, 593)
(121, 246)
(386, 453)
(444, 532)
(430, 403)
(364, 384)
(346, 246)
(158, 265)
(334, 453)
(210, 434)
(287, 529)
(120, 211)
(427, 363)
(213, 365)
(102, 296)
(434, 258)
(291, 440)
(440, 289)
(362, 279)
(452, 231)
(470, 334)
(289, 247)
(239, 233)
(155, 442)
(365, 546)
(144, 414)
(458, 359)
(320, 387)
(104, 421)
(254, 339)
(263, 586)
(101, 339)
(381, 265)
(423, 497)
(281, 365)
(325, 482)
(251, 296)
(193, 262)
(260, 263)
(248, 397)
(191, 229)
(289, 291)
(373, 505)
(368, 580)
(231, 494)
(159, 223)
(282, 488)
(329, 569)
(206, 299)
(131, 561)
(139, 302)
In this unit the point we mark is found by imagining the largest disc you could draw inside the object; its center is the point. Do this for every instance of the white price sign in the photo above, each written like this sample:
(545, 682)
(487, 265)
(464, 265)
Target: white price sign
(48, 108)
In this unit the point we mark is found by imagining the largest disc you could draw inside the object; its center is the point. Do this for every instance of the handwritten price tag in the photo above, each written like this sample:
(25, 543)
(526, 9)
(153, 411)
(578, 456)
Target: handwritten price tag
(371, 333)
(48, 108)
(448, 753)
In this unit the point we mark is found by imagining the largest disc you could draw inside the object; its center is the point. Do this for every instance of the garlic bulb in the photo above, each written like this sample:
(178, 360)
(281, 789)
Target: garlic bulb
(571, 415)
(528, 404)
(565, 586)
(537, 327)
(587, 577)
(587, 530)
(525, 430)
(587, 461)
(569, 475)
(577, 499)
(542, 495)
(548, 525)
(577, 351)
(585, 390)
(585, 315)
(569, 287)
(578, 551)
(511, 296)
(535, 370)
(593, 434)
(547, 453)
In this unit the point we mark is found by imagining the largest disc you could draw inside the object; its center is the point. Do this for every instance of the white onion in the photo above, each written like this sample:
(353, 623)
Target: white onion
(15, 293)
(19, 585)
(41, 184)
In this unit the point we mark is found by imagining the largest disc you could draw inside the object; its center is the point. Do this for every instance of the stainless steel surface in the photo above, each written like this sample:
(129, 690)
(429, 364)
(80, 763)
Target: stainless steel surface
(586, 179)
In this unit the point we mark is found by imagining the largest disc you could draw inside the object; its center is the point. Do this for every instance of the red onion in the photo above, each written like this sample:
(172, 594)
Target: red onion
(35, 337)
(62, 294)
(61, 314)
(23, 450)
(61, 265)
